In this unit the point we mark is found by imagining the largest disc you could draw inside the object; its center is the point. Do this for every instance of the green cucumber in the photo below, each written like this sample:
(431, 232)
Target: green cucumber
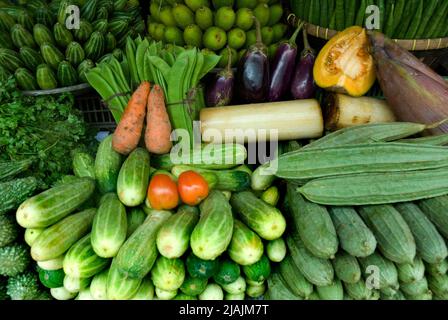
(257, 291)
(334, 291)
(21, 37)
(133, 178)
(83, 33)
(25, 79)
(120, 286)
(109, 226)
(31, 58)
(31, 235)
(358, 290)
(246, 247)
(174, 236)
(88, 10)
(46, 79)
(213, 233)
(54, 204)
(98, 286)
(83, 165)
(72, 284)
(294, 279)
(168, 274)
(52, 55)
(10, 59)
(145, 291)
(51, 278)
(52, 264)
(94, 47)
(411, 272)
(74, 53)
(62, 35)
(278, 289)
(6, 22)
(236, 287)
(100, 25)
(165, 295)
(227, 272)
(135, 218)
(436, 209)
(42, 34)
(212, 292)
(199, 268)
(395, 240)
(266, 220)
(81, 260)
(276, 250)
(430, 244)
(193, 286)
(83, 68)
(312, 220)
(347, 268)
(58, 238)
(439, 285)
(421, 297)
(138, 254)
(66, 74)
(387, 272)
(107, 166)
(258, 271)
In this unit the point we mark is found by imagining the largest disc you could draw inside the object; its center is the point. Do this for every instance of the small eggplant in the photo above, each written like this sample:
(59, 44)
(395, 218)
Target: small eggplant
(283, 68)
(253, 72)
(220, 92)
(303, 86)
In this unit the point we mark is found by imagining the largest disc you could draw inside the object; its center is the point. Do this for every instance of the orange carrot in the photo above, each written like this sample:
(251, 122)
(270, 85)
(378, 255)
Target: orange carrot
(129, 130)
(158, 126)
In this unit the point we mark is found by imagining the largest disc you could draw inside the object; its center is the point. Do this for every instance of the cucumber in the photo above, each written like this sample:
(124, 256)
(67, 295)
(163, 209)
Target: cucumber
(347, 268)
(138, 254)
(174, 236)
(193, 286)
(246, 247)
(395, 240)
(212, 292)
(42, 34)
(107, 166)
(436, 209)
(430, 244)
(66, 74)
(411, 272)
(98, 286)
(62, 294)
(312, 220)
(133, 179)
(25, 79)
(165, 295)
(135, 218)
(51, 54)
(388, 274)
(10, 60)
(257, 291)
(354, 236)
(72, 284)
(334, 291)
(318, 271)
(267, 221)
(168, 274)
(120, 286)
(74, 53)
(31, 58)
(415, 288)
(213, 233)
(32, 234)
(58, 238)
(294, 279)
(234, 297)
(81, 260)
(145, 291)
(278, 289)
(88, 10)
(271, 196)
(46, 79)
(84, 32)
(83, 165)
(276, 250)
(358, 290)
(236, 287)
(51, 278)
(109, 226)
(94, 47)
(21, 37)
(54, 204)
(62, 35)
(52, 264)
(258, 271)
(228, 272)
(202, 269)
(84, 294)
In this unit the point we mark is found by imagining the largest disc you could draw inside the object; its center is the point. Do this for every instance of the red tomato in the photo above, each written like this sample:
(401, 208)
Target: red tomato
(162, 193)
(192, 188)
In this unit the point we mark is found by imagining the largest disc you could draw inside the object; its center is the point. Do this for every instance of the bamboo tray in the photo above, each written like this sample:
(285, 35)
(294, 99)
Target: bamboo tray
(411, 45)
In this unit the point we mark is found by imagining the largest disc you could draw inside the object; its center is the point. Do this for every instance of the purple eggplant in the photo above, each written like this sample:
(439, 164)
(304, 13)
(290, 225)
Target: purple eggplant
(253, 72)
(303, 86)
(220, 92)
(283, 68)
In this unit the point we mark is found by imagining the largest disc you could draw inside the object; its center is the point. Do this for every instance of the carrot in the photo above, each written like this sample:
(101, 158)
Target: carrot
(129, 130)
(158, 126)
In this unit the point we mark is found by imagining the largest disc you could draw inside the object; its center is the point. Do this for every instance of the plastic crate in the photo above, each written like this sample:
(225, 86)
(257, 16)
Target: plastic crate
(95, 113)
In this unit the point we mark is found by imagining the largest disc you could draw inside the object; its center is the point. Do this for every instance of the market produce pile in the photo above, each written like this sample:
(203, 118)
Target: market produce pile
(42, 53)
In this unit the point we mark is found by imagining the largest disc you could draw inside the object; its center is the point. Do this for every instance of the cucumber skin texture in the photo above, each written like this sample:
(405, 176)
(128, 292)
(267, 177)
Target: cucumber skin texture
(135, 218)
(388, 274)
(107, 166)
(109, 226)
(354, 236)
(318, 271)
(294, 279)
(278, 289)
(347, 268)
(334, 291)
(139, 252)
(267, 221)
(213, 233)
(54, 204)
(259, 271)
(193, 286)
(436, 210)
(168, 274)
(58, 238)
(411, 272)
(133, 178)
(246, 246)
(395, 239)
(83, 165)
(120, 286)
(98, 286)
(311, 221)
(173, 237)
(13, 193)
(81, 260)
(430, 244)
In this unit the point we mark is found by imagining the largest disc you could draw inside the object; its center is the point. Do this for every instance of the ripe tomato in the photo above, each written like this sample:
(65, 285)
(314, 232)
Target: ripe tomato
(162, 193)
(192, 187)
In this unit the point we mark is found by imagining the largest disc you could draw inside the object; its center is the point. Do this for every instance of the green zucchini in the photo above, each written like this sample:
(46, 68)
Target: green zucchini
(436, 209)
(312, 220)
(107, 166)
(13, 193)
(81, 260)
(267, 221)
(246, 246)
(346, 267)
(58, 238)
(377, 266)
(138, 254)
(354, 236)
(109, 226)
(212, 234)
(294, 279)
(430, 244)
(173, 237)
(318, 271)
(411, 272)
(120, 286)
(334, 291)
(133, 178)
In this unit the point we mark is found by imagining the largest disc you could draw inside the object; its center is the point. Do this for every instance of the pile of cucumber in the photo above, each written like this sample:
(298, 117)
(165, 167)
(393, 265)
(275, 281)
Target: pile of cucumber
(95, 237)
(37, 47)
(399, 19)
